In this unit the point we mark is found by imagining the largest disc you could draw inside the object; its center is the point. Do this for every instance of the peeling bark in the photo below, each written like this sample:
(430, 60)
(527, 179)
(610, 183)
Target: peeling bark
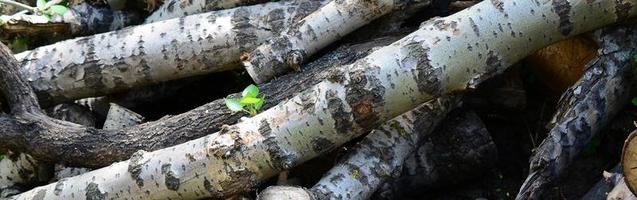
(82, 19)
(354, 99)
(178, 8)
(314, 32)
(156, 52)
(584, 109)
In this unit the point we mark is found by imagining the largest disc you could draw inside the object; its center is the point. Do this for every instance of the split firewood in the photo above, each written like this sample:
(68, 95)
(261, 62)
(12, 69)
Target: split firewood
(156, 52)
(430, 62)
(306, 37)
(179, 8)
(584, 109)
(462, 145)
(119, 117)
(81, 19)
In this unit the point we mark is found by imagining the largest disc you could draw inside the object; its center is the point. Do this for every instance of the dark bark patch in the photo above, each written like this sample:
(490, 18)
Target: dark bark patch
(342, 118)
(275, 20)
(93, 192)
(498, 4)
(365, 92)
(209, 188)
(280, 157)
(474, 26)
(58, 187)
(171, 181)
(563, 10)
(428, 77)
(135, 167)
(622, 9)
(40, 195)
(321, 144)
(264, 128)
(244, 30)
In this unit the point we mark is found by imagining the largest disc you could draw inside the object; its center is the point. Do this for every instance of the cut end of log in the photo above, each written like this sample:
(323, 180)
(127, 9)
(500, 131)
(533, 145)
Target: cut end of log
(284, 193)
(629, 162)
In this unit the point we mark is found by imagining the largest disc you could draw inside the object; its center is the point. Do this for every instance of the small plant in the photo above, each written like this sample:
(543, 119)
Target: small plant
(52, 10)
(249, 102)
(1, 156)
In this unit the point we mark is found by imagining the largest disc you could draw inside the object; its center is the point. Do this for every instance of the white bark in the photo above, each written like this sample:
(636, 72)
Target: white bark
(15, 170)
(119, 117)
(314, 32)
(151, 53)
(445, 55)
(179, 8)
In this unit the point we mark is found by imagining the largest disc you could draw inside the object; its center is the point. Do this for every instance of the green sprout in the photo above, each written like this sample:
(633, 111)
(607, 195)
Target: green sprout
(52, 10)
(1, 156)
(249, 102)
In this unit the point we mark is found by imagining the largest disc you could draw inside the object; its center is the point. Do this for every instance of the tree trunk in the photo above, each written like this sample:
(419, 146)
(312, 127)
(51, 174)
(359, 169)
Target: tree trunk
(152, 53)
(584, 109)
(177, 8)
(314, 32)
(428, 63)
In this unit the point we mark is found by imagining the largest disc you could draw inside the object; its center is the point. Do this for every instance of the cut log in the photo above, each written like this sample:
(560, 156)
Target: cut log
(629, 161)
(462, 145)
(178, 8)
(162, 133)
(156, 52)
(350, 102)
(584, 109)
(305, 38)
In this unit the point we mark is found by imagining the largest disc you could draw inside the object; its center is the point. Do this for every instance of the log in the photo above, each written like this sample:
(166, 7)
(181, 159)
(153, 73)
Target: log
(351, 101)
(81, 19)
(163, 133)
(601, 189)
(176, 8)
(584, 109)
(306, 37)
(462, 145)
(151, 53)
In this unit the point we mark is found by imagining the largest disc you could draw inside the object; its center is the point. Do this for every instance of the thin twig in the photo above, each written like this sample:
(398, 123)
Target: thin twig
(19, 5)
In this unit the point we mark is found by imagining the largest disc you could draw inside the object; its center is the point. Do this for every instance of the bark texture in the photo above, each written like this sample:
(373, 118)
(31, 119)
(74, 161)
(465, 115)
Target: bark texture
(584, 109)
(209, 118)
(601, 189)
(17, 170)
(178, 8)
(462, 145)
(82, 19)
(314, 32)
(120, 117)
(156, 52)
(428, 63)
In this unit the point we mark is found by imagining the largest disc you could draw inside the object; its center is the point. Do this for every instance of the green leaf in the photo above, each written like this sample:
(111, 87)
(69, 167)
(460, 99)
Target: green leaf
(634, 101)
(1, 156)
(233, 104)
(40, 4)
(249, 100)
(259, 104)
(250, 91)
(58, 9)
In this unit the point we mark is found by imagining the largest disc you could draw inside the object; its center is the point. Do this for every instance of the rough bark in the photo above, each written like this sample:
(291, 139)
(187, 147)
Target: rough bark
(379, 155)
(314, 32)
(177, 8)
(584, 109)
(462, 145)
(156, 52)
(82, 19)
(194, 124)
(428, 63)
(119, 117)
(16, 170)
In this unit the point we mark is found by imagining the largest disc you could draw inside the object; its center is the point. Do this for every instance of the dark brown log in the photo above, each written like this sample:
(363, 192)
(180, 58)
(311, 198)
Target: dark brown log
(76, 145)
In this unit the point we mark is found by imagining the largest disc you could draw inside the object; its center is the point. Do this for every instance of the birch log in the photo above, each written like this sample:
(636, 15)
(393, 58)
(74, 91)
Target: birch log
(177, 8)
(432, 61)
(314, 32)
(379, 155)
(462, 145)
(584, 109)
(156, 52)
(81, 19)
